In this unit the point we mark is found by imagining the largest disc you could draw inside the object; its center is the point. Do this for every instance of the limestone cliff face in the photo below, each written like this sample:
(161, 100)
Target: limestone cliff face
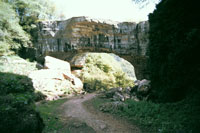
(64, 39)
(85, 34)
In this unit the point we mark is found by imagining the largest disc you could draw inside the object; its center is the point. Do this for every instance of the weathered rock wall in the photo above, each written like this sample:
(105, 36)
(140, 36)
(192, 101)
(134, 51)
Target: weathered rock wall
(82, 34)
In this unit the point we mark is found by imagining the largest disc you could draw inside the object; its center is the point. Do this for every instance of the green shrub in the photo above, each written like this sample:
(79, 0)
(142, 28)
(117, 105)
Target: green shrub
(101, 71)
(17, 113)
(14, 84)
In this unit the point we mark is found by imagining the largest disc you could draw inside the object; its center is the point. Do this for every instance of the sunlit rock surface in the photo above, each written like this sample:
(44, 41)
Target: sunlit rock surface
(56, 64)
(64, 39)
(80, 33)
(56, 80)
(53, 84)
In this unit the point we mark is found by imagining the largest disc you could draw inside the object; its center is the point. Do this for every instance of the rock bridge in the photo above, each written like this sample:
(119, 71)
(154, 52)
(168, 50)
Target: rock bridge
(63, 39)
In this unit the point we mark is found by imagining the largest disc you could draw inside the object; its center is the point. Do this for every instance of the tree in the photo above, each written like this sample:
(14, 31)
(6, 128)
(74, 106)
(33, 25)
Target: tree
(18, 22)
(174, 49)
(144, 3)
(174, 43)
(12, 35)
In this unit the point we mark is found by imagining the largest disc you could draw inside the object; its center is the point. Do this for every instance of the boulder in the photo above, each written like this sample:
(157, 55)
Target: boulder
(143, 86)
(55, 83)
(77, 85)
(47, 74)
(118, 97)
(111, 92)
(112, 106)
(78, 61)
(118, 94)
(56, 64)
(141, 90)
(126, 66)
(77, 73)
(69, 77)
(39, 66)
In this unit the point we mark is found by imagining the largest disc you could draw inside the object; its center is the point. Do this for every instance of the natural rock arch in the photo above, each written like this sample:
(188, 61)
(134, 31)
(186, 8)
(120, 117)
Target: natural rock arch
(63, 39)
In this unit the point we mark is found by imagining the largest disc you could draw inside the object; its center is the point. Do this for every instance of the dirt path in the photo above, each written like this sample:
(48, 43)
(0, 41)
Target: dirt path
(99, 122)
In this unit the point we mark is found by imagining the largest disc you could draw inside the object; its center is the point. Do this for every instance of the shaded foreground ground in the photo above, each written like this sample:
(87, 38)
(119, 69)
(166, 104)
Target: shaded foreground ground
(74, 116)
(74, 109)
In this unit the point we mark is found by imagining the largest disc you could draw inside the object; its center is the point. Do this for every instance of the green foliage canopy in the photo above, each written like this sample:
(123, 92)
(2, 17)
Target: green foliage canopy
(174, 49)
(12, 35)
(18, 21)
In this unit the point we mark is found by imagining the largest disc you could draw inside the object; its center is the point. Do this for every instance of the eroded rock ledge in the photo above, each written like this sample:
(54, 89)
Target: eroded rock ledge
(79, 33)
(82, 34)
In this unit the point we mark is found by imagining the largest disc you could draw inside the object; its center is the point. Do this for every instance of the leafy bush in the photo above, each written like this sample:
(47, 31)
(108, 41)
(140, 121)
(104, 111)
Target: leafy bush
(102, 71)
(17, 111)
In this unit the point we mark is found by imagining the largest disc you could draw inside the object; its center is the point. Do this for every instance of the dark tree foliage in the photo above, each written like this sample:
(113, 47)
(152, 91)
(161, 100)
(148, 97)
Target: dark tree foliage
(174, 49)
(17, 112)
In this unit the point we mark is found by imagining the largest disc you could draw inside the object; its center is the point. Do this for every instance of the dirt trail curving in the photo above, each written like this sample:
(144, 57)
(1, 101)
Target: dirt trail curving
(98, 121)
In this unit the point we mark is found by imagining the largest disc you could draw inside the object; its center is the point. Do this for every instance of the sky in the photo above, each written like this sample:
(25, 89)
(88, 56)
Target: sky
(115, 10)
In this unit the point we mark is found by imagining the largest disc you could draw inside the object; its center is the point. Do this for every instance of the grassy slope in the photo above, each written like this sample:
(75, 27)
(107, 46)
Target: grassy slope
(183, 116)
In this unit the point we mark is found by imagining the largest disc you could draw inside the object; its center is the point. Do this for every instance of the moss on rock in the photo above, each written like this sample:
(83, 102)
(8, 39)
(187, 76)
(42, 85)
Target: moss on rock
(102, 71)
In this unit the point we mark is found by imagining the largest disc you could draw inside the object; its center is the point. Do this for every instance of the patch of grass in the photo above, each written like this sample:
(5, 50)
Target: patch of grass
(51, 116)
(168, 117)
(181, 117)
(101, 72)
